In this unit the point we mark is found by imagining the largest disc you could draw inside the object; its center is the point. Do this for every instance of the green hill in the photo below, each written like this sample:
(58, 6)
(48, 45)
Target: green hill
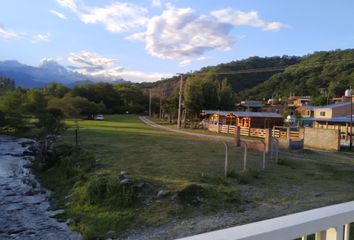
(331, 72)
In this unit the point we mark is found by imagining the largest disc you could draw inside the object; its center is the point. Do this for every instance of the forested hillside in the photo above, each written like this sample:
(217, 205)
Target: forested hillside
(330, 72)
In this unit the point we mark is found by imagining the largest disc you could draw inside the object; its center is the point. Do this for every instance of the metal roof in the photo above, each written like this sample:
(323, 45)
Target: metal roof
(342, 119)
(243, 114)
(334, 105)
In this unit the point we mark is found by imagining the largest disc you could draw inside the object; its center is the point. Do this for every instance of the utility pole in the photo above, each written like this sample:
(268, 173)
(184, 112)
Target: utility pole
(351, 119)
(349, 94)
(180, 102)
(150, 102)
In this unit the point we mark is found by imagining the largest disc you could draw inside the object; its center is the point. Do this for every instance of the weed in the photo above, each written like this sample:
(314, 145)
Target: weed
(245, 177)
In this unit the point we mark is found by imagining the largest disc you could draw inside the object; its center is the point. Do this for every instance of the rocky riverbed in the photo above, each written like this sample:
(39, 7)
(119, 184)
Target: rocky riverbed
(25, 212)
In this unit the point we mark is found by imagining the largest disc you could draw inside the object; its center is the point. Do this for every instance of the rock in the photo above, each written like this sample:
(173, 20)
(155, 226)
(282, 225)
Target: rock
(162, 193)
(191, 195)
(125, 181)
(140, 185)
(27, 165)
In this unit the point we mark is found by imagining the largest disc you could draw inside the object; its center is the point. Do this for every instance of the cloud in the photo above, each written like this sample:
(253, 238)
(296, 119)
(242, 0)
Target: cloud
(8, 34)
(41, 38)
(156, 3)
(182, 35)
(117, 17)
(99, 67)
(176, 33)
(89, 61)
(58, 14)
(71, 4)
(238, 18)
(22, 36)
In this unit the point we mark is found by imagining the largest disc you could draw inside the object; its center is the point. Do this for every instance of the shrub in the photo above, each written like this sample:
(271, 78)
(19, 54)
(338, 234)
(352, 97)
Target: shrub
(106, 190)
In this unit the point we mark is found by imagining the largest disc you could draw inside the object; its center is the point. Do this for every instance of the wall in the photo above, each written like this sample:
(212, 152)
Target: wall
(328, 113)
(342, 111)
(325, 139)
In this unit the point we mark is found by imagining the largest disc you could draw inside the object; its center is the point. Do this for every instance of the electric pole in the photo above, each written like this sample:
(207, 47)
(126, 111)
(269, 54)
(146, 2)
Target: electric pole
(351, 119)
(150, 102)
(180, 102)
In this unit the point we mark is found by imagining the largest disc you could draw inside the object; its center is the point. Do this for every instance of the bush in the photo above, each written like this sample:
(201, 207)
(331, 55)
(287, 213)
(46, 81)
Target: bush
(107, 190)
(245, 177)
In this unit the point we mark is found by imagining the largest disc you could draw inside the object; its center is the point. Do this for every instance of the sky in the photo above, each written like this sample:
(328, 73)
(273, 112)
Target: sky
(148, 40)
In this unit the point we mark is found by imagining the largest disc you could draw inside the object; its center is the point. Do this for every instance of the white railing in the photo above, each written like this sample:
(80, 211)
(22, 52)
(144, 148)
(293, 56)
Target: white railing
(327, 223)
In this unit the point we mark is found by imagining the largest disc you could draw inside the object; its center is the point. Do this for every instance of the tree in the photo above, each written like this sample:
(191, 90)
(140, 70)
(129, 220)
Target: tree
(133, 99)
(56, 90)
(319, 101)
(76, 106)
(12, 105)
(193, 96)
(6, 84)
(226, 96)
(50, 121)
(36, 101)
(104, 92)
(2, 119)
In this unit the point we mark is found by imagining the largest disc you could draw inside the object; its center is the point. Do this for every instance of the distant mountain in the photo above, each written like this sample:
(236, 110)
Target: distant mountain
(48, 71)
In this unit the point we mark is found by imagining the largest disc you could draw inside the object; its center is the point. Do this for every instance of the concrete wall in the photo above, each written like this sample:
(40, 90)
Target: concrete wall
(325, 139)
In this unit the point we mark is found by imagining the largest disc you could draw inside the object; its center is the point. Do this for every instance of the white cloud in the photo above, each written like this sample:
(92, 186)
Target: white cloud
(8, 34)
(238, 18)
(156, 3)
(273, 26)
(41, 38)
(183, 35)
(23, 36)
(71, 4)
(90, 61)
(58, 14)
(138, 76)
(100, 67)
(117, 17)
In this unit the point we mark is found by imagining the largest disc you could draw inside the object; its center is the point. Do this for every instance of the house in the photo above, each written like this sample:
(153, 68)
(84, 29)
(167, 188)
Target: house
(334, 116)
(333, 110)
(296, 101)
(250, 106)
(243, 119)
(342, 99)
(306, 111)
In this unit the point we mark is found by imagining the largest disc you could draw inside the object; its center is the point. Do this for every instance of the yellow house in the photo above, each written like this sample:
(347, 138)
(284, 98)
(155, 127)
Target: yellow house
(333, 111)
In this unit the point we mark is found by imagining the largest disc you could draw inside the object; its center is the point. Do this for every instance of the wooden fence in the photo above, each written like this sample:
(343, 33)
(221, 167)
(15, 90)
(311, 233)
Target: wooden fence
(280, 132)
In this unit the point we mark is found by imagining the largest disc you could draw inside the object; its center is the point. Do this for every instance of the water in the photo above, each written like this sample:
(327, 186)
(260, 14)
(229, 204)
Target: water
(24, 206)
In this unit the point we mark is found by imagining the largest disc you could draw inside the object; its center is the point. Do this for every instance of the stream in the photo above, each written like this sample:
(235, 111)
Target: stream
(25, 212)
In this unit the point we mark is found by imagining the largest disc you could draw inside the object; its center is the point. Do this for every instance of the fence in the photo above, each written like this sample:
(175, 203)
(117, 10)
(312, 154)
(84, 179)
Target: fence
(278, 132)
(327, 223)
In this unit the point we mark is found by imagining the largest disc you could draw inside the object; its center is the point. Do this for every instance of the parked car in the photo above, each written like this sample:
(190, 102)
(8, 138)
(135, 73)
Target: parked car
(99, 117)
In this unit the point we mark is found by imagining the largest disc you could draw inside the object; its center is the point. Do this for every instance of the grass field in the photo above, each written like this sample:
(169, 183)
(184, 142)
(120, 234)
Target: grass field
(172, 162)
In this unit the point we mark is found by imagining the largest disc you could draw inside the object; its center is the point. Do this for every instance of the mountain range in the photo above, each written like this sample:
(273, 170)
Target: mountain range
(48, 71)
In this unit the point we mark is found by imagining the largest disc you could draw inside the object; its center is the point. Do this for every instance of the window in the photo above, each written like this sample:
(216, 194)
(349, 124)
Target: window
(322, 114)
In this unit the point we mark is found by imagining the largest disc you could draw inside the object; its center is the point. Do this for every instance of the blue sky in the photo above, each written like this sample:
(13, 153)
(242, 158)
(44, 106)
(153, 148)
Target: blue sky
(147, 40)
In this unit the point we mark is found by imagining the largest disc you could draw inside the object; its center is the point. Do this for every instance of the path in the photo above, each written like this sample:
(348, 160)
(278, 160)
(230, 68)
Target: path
(165, 128)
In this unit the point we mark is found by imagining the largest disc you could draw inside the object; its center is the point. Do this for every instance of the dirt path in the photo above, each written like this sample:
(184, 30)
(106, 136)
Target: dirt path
(211, 137)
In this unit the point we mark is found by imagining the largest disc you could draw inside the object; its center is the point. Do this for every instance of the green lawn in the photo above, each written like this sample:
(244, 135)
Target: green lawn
(173, 161)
